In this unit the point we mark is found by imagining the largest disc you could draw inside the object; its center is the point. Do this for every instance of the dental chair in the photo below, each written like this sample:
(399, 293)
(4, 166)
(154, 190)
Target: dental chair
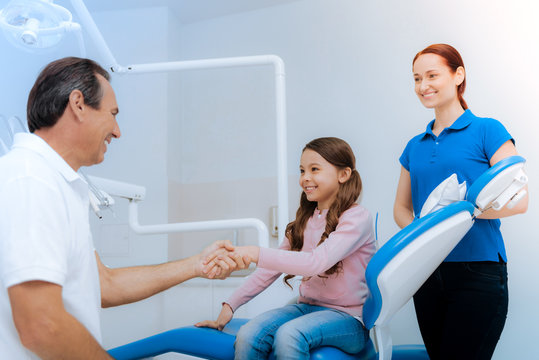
(394, 274)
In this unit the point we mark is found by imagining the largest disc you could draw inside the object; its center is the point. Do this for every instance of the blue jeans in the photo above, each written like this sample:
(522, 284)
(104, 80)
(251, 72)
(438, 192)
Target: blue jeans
(291, 331)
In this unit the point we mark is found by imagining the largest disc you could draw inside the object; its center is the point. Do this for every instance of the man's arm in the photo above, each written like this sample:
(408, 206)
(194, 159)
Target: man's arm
(46, 328)
(126, 285)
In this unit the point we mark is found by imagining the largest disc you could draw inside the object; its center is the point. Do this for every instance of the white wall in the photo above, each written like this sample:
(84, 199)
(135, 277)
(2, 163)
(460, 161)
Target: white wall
(139, 157)
(348, 69)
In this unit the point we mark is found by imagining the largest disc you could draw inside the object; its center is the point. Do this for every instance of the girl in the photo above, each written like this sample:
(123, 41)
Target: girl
(461, 308)
(329, 244)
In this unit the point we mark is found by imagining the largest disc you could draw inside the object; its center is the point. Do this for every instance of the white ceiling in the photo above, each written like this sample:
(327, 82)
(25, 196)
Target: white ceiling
(187, 11)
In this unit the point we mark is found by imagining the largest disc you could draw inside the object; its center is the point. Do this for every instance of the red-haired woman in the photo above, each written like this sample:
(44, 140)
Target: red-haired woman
(462, 307)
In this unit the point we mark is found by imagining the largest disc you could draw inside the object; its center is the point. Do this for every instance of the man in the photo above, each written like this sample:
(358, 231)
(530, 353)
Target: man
(52, 281)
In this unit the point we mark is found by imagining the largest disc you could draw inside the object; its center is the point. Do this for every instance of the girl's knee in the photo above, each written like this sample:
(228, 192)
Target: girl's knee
(289, 338)
(287, 332)
(252, 342)
(245, 334)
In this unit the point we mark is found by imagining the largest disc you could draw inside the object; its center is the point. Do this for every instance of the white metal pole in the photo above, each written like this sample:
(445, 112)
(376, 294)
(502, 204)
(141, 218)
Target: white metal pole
(280, 110)
(280, 95)
(198, 64)
(89, 25)
(282, 168)
(230, 224)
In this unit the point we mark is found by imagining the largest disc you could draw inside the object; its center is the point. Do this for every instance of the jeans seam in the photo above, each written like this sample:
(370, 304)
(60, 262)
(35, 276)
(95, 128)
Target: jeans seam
(499, 312)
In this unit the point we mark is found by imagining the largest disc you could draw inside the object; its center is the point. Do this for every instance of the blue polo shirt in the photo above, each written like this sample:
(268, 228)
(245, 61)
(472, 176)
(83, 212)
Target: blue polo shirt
(464, 148)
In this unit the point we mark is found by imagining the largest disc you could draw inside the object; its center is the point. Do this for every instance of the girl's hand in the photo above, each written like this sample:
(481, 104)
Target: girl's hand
(224, 318)
(251, 252)
(220, 263)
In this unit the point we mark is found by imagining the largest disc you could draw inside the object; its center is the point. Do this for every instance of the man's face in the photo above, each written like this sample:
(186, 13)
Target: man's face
(100, 126)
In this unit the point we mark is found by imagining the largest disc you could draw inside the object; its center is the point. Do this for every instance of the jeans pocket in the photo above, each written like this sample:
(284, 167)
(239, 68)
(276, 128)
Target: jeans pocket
(486, 271)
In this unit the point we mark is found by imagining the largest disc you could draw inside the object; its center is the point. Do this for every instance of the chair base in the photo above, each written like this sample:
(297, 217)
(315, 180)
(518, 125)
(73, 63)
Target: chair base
(409, 352)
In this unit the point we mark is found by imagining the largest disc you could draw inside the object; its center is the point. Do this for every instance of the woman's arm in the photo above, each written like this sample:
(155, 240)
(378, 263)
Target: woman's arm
(506, 150)
(403, 210)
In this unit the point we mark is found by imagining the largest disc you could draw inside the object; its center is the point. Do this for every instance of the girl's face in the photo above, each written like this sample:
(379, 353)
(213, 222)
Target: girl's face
(319, 179)
(435, 83)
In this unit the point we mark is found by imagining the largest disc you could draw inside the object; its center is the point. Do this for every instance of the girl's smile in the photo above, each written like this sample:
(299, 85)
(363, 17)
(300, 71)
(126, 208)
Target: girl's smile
(319, 179)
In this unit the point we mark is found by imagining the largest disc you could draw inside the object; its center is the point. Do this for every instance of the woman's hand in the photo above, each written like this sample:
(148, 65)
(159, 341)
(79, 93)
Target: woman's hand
(224, 318)
(403, 210)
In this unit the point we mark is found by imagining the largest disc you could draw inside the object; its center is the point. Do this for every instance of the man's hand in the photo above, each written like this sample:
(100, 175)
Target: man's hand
(219, 260)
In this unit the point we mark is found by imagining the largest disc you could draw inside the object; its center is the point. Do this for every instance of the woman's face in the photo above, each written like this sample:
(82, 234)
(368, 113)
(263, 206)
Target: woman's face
(435, 83)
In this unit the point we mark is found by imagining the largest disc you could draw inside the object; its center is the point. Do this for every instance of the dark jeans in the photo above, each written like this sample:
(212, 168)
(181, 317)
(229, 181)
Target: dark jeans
(461, 309)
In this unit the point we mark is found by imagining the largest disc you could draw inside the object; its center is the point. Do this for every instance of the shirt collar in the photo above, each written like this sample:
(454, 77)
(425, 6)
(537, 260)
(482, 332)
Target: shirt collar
(462, 121)
(37, 144)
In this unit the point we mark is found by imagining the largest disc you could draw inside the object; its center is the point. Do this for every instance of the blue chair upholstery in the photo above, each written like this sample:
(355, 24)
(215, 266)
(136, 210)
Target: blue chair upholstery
(393, 275)
(216, 345)
(394, 246)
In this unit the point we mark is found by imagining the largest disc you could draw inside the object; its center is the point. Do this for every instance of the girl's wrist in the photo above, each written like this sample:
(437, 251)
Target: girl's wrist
(225, 304)
(254, 253)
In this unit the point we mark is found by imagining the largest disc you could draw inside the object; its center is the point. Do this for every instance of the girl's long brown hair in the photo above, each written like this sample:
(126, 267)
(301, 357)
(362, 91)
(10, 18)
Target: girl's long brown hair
(338, 153)
(452, 59)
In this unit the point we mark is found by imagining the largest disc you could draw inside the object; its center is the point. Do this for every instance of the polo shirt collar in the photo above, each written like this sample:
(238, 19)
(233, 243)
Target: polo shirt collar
(462, 122)
(37, 144)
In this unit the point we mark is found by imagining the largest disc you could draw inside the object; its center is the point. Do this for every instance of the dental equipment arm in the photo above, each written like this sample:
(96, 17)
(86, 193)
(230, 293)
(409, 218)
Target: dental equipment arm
(136, 193)
(280, 93)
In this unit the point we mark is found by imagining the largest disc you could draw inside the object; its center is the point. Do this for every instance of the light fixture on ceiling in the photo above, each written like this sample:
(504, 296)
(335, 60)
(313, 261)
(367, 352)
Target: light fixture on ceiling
(37, 24)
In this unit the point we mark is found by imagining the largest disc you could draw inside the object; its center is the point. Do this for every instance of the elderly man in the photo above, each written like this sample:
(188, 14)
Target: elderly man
(52, 281)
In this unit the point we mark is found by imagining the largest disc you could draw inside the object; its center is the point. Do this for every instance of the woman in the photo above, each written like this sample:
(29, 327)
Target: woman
(462, 307)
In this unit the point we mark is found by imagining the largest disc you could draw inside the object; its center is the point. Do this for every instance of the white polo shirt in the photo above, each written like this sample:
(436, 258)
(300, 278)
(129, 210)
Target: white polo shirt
(45, 235)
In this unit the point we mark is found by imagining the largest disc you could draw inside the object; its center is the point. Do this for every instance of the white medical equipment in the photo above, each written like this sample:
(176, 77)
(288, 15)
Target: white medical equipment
(393, 275)
(33, 24)
(108, 188)
(37, 24)
(8, 129)
(447, 192)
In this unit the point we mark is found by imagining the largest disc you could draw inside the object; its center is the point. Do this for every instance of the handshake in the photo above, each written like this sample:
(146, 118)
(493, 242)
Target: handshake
(221, 258)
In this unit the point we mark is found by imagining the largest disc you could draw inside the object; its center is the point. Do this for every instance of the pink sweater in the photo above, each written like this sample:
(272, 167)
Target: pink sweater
(352, 242)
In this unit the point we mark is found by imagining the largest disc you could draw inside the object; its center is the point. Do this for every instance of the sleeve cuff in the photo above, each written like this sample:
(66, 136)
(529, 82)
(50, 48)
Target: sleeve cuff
(33, 274)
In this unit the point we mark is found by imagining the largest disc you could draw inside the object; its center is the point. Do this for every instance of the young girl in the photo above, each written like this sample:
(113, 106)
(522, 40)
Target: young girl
(461, 308)
(329, 245)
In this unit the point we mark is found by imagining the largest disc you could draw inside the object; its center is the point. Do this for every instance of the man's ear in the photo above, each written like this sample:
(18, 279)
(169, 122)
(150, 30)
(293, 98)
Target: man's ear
(76, 104)
(344, 175)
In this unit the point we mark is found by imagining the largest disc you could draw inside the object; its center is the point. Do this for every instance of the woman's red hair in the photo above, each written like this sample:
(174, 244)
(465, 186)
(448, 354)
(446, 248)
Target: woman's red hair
(453, 61)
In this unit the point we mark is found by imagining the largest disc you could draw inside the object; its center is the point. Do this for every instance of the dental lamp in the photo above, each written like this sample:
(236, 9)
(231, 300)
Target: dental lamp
(37, 25)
